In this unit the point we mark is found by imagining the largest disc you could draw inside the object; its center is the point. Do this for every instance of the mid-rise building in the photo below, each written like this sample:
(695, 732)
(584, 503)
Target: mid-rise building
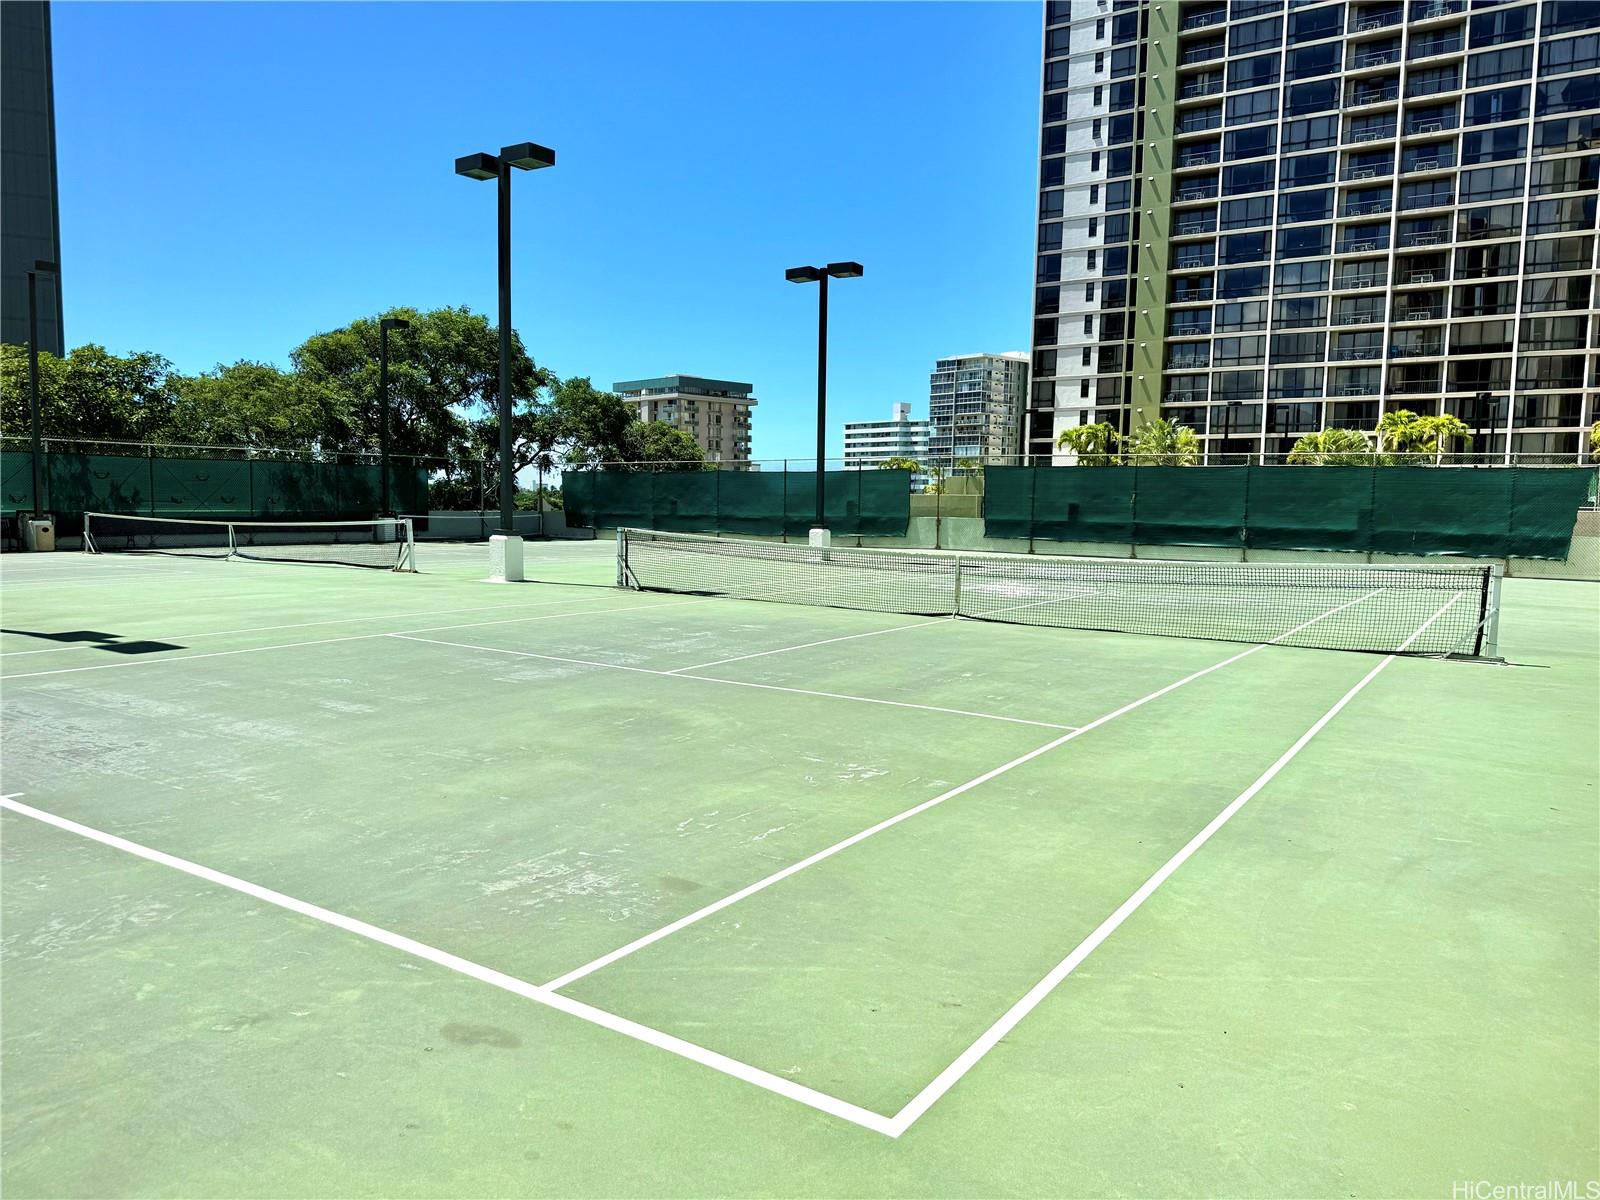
(30, 222)
(869, 443)
(715, 412)
(975, 406)
(1261, 219)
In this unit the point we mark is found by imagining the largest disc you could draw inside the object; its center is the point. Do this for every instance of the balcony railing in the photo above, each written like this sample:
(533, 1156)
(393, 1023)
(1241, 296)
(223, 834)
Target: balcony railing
(1365, 208)
(1187, 228)
(1184, 398)
(1416, 277)
(1364, 245)
(1203, 158)
(1374, 95)
(1374, 58)
(1425, 237)
(1429, 126)
(1423, 164)
(1434, 312)
(1365, 172)
(1358, 353)
(1367, 22)
(1417, 350)
(1209, 87)
(1193, 296)
(1203, 20)
(1360, 281)
(1360, 317)
(1197, 193)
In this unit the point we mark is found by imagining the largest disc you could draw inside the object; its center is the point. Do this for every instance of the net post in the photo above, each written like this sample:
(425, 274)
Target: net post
(233, 540)
(408, 548)
(1489, 624)
(622, 557)
(88, 537)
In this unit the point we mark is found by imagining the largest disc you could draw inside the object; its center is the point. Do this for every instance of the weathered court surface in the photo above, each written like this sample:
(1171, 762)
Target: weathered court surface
(465, 851)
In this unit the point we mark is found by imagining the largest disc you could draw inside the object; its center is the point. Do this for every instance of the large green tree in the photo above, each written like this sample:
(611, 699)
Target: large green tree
(90, 395)
(257, 404)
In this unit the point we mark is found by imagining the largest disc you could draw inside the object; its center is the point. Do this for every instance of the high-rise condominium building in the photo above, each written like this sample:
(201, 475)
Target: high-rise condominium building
(715, 412)
(976, 404)
(868, 443)
(30, 223)
(1261, 218)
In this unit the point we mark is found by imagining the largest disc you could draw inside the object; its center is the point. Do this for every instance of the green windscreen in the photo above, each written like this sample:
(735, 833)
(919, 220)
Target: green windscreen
(1490, 512)
(207, 487)
(757, 503)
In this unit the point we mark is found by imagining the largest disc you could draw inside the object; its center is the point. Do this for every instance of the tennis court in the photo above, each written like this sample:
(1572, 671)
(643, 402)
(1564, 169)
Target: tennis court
(322, 881)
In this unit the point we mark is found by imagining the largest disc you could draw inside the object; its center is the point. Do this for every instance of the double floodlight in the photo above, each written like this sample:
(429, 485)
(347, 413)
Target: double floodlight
(525, 156)
(389, 323)
(839, 270)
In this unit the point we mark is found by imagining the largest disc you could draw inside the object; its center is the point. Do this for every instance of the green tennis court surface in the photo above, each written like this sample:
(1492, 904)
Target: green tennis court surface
(320, 881)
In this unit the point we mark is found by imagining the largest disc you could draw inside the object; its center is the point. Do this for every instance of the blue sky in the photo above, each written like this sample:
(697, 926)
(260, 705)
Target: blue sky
(235, 177)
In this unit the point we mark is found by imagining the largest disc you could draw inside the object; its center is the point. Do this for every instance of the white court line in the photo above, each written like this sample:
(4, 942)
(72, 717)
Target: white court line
(786, 1088)
(951, 1075)
(434, 612)
(355, 637)
(717, 906)
(807, 645)
(766, 687)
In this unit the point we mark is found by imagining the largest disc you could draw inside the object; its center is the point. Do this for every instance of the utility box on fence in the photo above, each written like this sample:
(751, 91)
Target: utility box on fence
(39, 533)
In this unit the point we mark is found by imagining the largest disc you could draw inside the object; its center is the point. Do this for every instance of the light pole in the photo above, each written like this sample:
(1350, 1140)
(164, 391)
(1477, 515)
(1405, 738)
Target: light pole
(819, 276)
(40, 267)
(384, 326)
(524, 156)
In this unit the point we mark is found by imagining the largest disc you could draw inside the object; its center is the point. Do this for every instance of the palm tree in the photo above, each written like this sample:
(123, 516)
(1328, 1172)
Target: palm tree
(1333, 448)
(1435, 433)
(1160, 443)
(1095, 445)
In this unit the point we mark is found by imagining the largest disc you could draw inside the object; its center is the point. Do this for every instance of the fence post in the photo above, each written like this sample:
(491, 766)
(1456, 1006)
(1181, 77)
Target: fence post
(783, 521)
(1033, 503)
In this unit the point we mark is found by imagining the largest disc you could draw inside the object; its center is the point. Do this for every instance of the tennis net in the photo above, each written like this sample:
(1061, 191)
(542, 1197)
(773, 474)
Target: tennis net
(383, 542)
(1401, 609)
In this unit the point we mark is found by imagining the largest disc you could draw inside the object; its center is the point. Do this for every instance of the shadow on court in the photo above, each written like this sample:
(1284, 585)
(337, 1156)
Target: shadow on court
(99, 641)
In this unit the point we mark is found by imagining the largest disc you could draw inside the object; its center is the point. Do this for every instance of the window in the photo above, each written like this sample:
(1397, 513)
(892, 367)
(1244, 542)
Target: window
(1320, 96)
(1302, 276)
(1056, 75)
(1300, 312)
(1241, 316)
(1188, 322)
(1433, 80)
(1501, 25)
(1055, 140)
(1481, 337)
(1560, 371)
(1186, 356)
(1307, 241)
(1055, 43)
(1484, 300)
(1317, 24)
(1053, 172)
(1444, 41)
(1050, 236)
(1570, 54)
(1499, 66)
(1307, 169)
(1239, 351)
(1486, 262)
(1241, 283)
(1099, 94)
(1047, 300)
(1051, 204)
(1253, 106)
(1555, 333)
(1366, 344)
(1371, 128)
(1569, 95)
(1250, 143)
(1242, 247)
(1567, 175)
(1491, 183)
(1502, 104)
(1241, 214)
(1310, 61)
(1255, 72)
(1097, 129)
(1567, 16)
(1554, 295)
(1310, 133)
(1247, 177)
(1237, 385)
(1560, 254)
(1298, 347)
(1297, 207)
(1116, 260)
(1091, 260)
(1433, 156)
(1292, 383)
(1573, 133)
(1099, 61)
(1483, 224)
(1088, 290)
(1255, 35)
(1494, 145)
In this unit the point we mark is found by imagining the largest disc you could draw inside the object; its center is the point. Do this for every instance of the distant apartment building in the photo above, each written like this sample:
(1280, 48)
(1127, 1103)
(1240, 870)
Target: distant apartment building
(976, 404)
(1259, 219)
(868, 443)
(715, 412)
(30, 224)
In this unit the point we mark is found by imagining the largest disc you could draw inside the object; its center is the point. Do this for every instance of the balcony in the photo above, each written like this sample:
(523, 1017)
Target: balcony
(1373, 95)
(1199, 158)
(1205, 87)
(1350, 174)
(1359, 282)
(1360, 316)
(1419, 278)
(1366, 59)
(1431, 10)
(1367, 22)
(1184, 398)
(1356, 353)
(1423, 128)
(1191, 224)
(1203, 19)
(1363, 245)
(1426, 312)
(1192, 295)
(1421, 166)
(1419, 348)
(1366, 208)
(1191, 192)
(1425, 237)
(1362, 137)
(1435, 47)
